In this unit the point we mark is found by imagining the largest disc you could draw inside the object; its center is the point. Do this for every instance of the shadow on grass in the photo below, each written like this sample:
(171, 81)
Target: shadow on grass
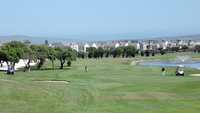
(56, 69)
(4, 72)
(51, 80)
(48, 68)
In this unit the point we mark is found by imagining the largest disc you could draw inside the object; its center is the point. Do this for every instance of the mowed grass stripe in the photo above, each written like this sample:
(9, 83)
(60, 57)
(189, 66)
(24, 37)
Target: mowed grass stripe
(110, 85)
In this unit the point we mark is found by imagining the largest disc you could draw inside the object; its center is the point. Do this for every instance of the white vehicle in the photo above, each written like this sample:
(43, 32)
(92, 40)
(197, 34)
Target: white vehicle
(180, 70)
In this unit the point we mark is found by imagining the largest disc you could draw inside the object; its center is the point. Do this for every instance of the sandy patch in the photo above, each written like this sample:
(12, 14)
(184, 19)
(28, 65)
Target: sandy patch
(134, 62)
(59, 81)
(4, 80)
(195, 75)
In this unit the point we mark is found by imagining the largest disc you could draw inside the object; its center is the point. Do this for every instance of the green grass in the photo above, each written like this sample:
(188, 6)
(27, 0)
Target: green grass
(110, 85)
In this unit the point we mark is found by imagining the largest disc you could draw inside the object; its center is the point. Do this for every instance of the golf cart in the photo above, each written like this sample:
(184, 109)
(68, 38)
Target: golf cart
(180, 70)
(10, 69)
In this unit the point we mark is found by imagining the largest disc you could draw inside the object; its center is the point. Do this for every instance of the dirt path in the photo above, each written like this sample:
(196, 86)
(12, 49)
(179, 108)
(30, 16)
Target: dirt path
(196, 75)
(4, 80)
(53, 81)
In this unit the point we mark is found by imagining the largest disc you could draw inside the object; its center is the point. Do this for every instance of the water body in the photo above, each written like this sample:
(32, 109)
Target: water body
(190, 64)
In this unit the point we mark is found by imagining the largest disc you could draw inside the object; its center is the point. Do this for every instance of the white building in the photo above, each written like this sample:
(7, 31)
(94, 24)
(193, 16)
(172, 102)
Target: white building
(136, 45)
(123, 44)
(111, 45)
(92, 45)
(172, 44)
(163, 46)
(193, 43)
(155, 46)
(66, 44)
(83, 47)
(99, 44)
(143, 46)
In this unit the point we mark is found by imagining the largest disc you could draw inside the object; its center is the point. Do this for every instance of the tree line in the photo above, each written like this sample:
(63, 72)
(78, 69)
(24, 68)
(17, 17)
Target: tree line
(12, 51)
(127, 51)
(130, 51)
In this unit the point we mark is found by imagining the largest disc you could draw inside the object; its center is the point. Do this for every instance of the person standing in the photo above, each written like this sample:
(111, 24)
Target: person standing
(28, 70)
(86, 69)
(163, 70)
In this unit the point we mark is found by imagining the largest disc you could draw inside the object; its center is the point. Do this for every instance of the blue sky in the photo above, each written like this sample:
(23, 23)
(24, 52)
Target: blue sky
(99, 19)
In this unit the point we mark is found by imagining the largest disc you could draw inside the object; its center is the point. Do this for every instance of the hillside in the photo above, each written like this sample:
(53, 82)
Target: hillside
(184, 38)
(41, 40)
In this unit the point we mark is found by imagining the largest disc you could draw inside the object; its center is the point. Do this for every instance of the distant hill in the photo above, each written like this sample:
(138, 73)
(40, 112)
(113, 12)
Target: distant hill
(35, 40)
(195, 37)
(183, 38)
(41, 40)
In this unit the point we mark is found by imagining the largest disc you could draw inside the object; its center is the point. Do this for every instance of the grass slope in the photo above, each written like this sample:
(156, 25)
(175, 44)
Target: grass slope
(110, 85)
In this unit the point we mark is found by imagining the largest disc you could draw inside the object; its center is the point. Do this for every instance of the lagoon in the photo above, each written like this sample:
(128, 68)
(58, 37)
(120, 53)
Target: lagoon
(190, 64)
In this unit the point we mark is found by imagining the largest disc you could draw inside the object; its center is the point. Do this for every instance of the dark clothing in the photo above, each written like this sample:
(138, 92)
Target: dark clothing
(163, 69)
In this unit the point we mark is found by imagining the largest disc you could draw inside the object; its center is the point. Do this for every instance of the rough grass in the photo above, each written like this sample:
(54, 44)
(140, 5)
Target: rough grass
(110, 85)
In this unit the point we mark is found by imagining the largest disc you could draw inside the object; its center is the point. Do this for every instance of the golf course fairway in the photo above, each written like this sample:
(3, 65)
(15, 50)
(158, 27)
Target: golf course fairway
(110, 85)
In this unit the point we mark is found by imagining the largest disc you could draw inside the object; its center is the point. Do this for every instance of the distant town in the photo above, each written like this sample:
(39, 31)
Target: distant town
(145, 44)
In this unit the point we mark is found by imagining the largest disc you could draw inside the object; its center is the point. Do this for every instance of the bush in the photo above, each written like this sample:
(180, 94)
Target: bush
(133, 55)
(153, 53)
(162, 52)
(69, 63)
(142, 53)
(147, 52)
(187, 50)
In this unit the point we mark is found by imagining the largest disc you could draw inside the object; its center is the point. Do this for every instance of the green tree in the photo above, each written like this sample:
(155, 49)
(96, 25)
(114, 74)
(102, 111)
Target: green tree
(108, 52)
(3, 57)
(13, 51)
(72, 55)
(129, 51)
(159, 49)
(51, 54)
(34, 48)
(185, 48)
(27, 58)
(162, 51)
(81, 54)
(65, 54)
(168, 49)
(142, 53)
(101, 52)
(117, 52)
(62, 55)
(96, 54)
(41, 55)
(197, 48)
(91, 51)
(193, 49)
(175, 49)
(147, 52)
(137, 51)
(153, 53)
